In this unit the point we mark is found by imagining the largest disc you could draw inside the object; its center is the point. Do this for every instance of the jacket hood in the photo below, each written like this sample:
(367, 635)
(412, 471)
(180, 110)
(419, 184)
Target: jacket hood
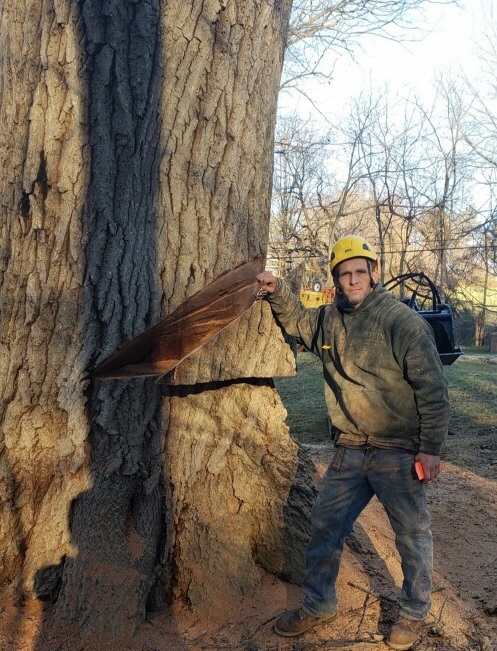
(377, 295)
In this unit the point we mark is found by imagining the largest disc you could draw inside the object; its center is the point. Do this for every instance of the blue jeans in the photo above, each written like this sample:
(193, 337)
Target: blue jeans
(354, 476)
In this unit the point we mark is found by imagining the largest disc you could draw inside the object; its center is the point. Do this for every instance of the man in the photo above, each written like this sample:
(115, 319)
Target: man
(386, 395)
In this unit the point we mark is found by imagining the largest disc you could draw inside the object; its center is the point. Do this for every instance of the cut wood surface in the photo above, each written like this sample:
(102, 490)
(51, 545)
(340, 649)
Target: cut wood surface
(161, 348)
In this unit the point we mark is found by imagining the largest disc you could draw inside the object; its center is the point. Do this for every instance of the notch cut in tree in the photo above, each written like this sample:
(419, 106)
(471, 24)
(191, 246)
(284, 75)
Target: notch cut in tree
(161, 348)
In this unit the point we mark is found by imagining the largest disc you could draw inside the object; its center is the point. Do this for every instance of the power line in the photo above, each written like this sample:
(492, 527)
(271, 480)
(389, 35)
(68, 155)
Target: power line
(426, 249)
(432, 249)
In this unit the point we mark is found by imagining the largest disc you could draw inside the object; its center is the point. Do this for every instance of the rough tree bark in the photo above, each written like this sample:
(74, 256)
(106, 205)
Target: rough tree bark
(136, 146)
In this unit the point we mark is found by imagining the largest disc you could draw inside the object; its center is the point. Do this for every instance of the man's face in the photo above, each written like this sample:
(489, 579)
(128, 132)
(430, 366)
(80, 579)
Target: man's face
(353, 278)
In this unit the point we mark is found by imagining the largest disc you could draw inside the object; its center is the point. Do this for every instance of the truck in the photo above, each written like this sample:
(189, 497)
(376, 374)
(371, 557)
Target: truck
(316, 294)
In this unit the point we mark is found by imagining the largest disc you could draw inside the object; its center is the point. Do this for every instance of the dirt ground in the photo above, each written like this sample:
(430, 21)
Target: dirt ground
(464, 614)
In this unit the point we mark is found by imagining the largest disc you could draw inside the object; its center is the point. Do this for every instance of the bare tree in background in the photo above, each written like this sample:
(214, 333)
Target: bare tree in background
(480, 133)
(448, 179)
(419, 179)
(320, 27)
(403, 175)
(487, 253)
(302, 220)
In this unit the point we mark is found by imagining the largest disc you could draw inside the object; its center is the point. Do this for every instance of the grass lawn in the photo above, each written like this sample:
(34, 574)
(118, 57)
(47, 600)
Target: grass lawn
(303, 397)
(472, 440)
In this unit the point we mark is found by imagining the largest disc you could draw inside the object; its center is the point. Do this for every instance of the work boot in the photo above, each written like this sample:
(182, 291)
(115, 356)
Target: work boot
(404, 633)
(297, 622)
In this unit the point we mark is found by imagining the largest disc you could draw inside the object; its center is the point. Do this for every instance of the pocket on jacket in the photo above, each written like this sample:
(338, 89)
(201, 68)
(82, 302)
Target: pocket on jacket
(372, 415)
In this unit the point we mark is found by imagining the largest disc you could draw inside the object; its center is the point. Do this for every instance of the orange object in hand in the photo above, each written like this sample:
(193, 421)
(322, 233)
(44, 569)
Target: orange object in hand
(420, 472)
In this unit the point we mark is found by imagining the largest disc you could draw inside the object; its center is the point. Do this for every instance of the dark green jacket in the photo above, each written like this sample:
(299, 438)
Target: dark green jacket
(384, 382)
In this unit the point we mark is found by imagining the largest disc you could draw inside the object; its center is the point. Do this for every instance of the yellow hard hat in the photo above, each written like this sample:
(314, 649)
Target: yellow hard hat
(349, 247)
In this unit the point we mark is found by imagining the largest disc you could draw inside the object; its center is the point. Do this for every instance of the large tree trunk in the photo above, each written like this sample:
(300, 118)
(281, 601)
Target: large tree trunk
(44, 150)
(136, 145)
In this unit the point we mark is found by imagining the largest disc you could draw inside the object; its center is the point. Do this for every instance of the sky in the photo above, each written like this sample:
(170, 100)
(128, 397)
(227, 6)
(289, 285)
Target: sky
(447, 39)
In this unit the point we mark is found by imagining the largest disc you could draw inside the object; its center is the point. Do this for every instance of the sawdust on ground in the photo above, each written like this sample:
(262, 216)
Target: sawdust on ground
(463, 505)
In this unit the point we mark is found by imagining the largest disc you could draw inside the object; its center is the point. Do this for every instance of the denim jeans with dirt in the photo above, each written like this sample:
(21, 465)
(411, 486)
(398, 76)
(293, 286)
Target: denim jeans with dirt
(354, 476)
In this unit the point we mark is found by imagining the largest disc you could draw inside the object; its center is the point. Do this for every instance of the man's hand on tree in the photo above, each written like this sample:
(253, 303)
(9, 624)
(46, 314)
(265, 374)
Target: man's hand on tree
(267, 280)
